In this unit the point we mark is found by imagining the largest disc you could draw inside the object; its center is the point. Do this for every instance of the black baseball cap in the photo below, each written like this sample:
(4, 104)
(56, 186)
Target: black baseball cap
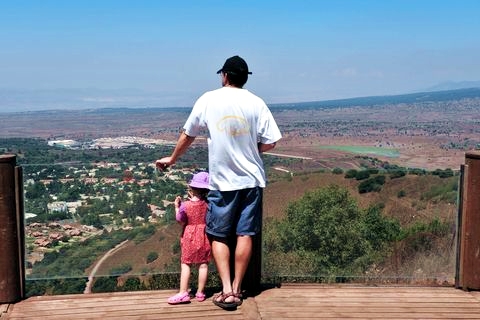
(235, 65)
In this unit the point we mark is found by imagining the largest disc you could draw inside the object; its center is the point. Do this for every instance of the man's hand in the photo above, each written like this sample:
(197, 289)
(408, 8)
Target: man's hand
(163, 163)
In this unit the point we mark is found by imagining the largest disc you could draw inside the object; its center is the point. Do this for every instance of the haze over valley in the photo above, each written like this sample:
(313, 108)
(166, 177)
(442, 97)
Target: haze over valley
(422, 130)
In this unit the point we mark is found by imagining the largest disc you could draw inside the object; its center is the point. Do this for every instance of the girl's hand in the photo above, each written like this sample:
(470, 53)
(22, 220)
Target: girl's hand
(178, 201)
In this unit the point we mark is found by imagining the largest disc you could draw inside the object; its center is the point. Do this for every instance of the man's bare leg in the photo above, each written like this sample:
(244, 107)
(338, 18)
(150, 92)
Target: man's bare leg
(221, 255)
(243, 252)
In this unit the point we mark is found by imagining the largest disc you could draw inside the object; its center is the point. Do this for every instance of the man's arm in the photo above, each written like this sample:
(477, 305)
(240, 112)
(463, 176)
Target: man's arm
(262, 147)
(184, 141)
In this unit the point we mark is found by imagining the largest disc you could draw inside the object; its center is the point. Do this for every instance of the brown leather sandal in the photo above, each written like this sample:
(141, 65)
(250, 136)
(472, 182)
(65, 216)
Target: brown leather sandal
(238, 298)
(219, 300)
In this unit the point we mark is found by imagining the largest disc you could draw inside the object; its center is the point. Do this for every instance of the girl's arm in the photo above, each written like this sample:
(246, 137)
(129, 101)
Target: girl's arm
(180, 215)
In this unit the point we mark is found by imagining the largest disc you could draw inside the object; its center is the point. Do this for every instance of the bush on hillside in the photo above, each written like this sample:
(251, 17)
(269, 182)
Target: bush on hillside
(326, 233)
(401, 194)
(417, 171)
(443, 173)
(350, 174)
(371, 185)
(362, 175)
(152, 256)
(337, 170)
(119, 270)
(397, 174)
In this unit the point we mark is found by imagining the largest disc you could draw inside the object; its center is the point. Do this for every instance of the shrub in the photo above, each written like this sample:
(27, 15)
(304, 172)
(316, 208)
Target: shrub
(444, 173)
(446, 192)
(362, 175)
(352, 173)
(371, 185)
(380, 180)
(397, 174)
(124, 268)
(416, 171)
(337, 170)
(105, 284)
(152, 256)
(325, 232)
(176, 247)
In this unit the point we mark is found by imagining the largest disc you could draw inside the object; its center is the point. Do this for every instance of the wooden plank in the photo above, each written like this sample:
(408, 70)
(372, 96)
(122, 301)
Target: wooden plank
(308, 301)
(365, 315)
(384, 309)
(475, 294)
(302, 300)
(287, 302)
(3, 310)
(145, 305)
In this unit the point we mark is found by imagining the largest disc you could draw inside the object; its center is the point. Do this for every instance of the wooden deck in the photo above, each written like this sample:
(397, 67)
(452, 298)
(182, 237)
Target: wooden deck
(290, 301)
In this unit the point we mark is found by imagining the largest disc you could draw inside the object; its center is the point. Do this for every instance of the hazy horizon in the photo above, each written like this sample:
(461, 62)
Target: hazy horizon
(418, 96)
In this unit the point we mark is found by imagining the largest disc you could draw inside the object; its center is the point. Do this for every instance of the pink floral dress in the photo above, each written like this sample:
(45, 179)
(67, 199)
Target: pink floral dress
(194, 242)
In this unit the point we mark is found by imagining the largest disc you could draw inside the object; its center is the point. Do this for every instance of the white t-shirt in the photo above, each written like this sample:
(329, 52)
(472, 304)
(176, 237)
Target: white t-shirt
(236, 120)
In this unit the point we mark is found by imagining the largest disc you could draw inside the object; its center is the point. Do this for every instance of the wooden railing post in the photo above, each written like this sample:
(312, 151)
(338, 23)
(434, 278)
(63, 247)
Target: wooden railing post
(469, 257)
(11, 224)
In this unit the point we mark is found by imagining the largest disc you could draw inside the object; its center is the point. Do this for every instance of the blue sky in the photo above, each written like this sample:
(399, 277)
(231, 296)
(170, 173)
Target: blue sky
(54, 54)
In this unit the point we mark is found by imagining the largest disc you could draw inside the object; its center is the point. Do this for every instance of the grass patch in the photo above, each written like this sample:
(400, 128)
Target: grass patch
(377, 151)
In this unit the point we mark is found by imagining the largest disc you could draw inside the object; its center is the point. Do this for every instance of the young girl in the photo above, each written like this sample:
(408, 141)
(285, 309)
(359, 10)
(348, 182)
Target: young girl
(193, 242)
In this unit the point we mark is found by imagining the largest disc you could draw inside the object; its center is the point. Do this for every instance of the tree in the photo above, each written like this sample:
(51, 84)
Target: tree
(326, 233)
(324, 223)
(139, 207)
(377, 229)
(92, 219)
(37, 190)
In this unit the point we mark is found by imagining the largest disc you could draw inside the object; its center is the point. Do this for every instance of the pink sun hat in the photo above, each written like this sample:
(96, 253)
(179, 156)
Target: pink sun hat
(199, 180)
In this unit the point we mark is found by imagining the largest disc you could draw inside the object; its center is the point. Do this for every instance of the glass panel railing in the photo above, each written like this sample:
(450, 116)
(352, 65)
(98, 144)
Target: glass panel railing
(94, 225)
(374, 225)
(111, 227)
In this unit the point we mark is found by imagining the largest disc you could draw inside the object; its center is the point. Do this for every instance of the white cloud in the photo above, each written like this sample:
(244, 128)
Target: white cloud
(346, 72)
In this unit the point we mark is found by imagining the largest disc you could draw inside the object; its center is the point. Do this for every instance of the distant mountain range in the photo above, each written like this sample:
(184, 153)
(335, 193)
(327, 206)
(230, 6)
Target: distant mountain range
(452, 85)
(433, 96)
(17, 100)
(82, 99)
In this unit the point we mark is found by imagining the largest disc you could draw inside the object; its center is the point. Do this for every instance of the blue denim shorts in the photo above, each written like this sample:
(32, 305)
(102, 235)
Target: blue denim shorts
(234, 212)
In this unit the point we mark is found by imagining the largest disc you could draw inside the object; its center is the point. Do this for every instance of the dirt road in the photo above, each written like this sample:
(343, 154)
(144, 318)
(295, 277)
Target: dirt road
(88, 287)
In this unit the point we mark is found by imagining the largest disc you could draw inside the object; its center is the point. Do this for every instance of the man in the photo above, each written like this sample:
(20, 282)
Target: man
(240, 127)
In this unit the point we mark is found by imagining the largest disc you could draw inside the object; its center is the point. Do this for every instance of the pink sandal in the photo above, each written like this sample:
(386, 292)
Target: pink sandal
(200, 296)
(179, 298)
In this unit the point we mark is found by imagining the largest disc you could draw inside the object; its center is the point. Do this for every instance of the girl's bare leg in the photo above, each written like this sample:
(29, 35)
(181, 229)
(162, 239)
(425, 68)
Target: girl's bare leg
(202, 277)
(184, 277)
